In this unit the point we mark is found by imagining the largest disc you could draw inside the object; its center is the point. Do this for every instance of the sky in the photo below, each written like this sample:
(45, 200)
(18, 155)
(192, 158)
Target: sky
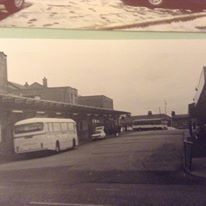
(139, 75)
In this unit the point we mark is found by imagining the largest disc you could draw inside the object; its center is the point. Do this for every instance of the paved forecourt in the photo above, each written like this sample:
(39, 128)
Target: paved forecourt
(136, 151)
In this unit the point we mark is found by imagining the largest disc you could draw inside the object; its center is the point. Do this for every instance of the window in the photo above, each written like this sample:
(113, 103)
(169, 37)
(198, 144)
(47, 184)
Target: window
(64, 126)
(71, 126)
(50, 127)
(46, 127)
(32, 127)
(56, 126)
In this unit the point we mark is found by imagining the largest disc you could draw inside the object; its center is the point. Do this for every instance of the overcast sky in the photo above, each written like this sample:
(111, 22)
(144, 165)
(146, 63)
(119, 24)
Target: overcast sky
(139, 75)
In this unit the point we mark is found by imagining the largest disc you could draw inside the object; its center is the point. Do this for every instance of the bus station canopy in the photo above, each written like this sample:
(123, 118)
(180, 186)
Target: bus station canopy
(11, 102)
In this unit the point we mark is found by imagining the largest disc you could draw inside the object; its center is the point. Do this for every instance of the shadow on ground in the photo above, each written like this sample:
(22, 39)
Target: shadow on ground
(184, 6)
(28, 156)
(67, 175)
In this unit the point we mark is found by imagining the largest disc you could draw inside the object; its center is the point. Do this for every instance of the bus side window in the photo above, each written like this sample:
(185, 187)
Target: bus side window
(46, 127)
(64, 126)
(67, 126)
(50, 127)
(70, 126)
(56, 127)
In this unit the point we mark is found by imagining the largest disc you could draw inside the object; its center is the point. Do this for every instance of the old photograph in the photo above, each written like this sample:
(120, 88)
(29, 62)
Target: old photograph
(118, 15)
(110, 123)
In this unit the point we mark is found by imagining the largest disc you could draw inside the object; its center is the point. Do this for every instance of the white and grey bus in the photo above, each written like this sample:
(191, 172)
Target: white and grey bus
(38, 134)
(150, 124)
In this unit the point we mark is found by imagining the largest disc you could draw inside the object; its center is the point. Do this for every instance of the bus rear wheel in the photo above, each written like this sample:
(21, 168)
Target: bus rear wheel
(58, 147)
(73, 143)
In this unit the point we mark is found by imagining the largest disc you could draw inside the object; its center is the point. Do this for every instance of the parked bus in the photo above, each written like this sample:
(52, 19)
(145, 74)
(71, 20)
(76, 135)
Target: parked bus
(38, 134)
(149, 124)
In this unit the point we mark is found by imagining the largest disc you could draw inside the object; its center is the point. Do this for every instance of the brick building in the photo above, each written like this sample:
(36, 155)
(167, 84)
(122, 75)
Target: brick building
(42, 91)
(100, 101)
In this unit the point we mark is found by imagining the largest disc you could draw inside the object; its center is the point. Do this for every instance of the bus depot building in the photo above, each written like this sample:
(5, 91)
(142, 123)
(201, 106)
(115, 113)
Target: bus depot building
(18, 102)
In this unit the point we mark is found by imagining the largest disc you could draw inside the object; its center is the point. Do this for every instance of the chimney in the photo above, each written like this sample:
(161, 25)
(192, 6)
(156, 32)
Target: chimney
(26, 84)
(173, 113)
(149, 113)
(44, 82)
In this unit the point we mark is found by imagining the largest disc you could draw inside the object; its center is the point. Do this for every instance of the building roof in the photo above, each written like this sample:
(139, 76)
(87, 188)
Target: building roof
(12, 102)
(32, 86)
(15, 85)
(93, 96)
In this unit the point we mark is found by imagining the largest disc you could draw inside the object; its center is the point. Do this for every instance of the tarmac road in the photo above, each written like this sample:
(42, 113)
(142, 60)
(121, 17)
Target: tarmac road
(136, 169)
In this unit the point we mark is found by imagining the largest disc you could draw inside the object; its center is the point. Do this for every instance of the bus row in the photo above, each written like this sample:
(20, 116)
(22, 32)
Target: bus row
(55, 134)
(38, 134)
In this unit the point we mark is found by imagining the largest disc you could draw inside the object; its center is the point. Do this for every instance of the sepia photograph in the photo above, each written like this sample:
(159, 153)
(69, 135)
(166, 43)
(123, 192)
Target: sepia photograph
(118, 15)
(102, 122)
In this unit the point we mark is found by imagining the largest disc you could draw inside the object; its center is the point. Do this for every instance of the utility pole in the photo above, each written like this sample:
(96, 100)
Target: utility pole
(165, 104)
(159, 110)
